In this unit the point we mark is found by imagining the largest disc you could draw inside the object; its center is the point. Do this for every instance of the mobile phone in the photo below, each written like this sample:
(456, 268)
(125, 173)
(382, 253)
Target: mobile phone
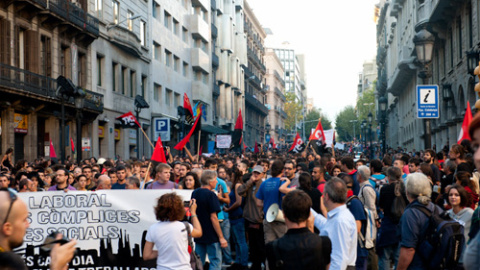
(186, 203)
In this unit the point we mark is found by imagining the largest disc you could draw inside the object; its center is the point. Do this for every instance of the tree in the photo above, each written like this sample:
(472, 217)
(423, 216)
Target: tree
(345, 122)
(366, 104)
(311, 121)
(292, 109)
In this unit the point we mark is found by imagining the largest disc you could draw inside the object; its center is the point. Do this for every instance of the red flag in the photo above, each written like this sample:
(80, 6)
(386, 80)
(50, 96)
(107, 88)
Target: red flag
(272, 142)
(318, 134)
(201, 148)
(466, 122)
(52, 150)
(72, 145)
(298, 145)
(128, 120)
(186, 104)
(183, 142)
(256, 150)
(237, 132)
(158, 153)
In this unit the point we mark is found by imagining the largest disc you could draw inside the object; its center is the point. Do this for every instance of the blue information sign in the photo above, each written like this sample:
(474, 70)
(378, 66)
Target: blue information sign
(267, 138)
(427, 101)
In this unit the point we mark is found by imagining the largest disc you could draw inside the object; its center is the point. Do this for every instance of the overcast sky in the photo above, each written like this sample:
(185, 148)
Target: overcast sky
(337, 37)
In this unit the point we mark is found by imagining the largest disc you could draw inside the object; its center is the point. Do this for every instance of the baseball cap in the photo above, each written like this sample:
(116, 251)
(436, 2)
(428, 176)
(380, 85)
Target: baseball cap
(258, 168)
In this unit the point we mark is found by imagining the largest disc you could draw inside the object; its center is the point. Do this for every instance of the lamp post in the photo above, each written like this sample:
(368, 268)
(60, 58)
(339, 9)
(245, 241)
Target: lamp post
(79, 98)
(382, 103)
(424, 42)
(181, 118)
(139, 104)
(370, 119)
(65, 90)
(364, 129)
(472, 61)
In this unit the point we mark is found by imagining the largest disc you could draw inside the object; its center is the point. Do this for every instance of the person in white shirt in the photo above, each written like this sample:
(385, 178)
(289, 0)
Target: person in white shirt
(340, 228)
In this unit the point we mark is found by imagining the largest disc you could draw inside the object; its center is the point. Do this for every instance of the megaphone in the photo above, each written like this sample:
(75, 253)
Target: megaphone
(274, 214)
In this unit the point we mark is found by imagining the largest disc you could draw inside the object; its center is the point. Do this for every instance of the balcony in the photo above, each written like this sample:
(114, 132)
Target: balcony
(38, 87)
(214, 31)
(213, 5)
(280, 94)
(283, 114)
(200, 3)
(279, 78)
(199, 28)
(216, 90)
(125, 40)
(255, 60)
(215, 61)
(200, 60)
(75, 15)
(255, 104)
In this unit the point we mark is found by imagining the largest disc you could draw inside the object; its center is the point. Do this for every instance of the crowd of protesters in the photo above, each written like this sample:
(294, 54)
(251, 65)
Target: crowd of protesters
(342, 213)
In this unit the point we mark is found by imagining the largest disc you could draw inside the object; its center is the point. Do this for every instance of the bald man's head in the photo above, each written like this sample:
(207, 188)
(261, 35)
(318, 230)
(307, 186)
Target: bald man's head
(104, 182)
(15, 226)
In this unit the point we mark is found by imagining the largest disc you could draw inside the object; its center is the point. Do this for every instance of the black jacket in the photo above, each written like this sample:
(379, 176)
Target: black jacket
(299, 249)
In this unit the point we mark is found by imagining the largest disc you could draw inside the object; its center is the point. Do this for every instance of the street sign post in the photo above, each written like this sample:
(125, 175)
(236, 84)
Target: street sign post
(427, 101)
(161, 127)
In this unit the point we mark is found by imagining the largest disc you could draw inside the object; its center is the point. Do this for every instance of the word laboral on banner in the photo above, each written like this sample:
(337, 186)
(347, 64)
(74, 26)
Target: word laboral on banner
(110, 226)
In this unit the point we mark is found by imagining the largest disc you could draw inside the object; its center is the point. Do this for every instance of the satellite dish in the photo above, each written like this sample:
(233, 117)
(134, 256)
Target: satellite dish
(274, 214)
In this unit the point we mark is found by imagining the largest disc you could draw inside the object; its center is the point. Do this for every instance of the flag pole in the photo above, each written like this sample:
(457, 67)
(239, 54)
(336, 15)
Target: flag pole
(147, 137)
(146, 175)
(198, 146)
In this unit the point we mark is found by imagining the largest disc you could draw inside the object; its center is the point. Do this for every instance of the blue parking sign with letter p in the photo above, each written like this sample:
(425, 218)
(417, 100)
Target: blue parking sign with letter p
(161, 127)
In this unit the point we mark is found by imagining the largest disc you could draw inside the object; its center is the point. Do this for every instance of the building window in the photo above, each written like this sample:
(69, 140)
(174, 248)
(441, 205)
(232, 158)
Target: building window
(166, 20)
(155, 9)
(133, 82)
(157, 92)
(451, 48)
(45, 56)
(470, 26)
(176, 63)
(168, 97)
(123, 89)
(82, 70)
(100, 60)
(114, 77)
(176, 100)
(143, 86)
(168, 58)
(459, 37)
(184, 35)
(99, 9)
(175, 27)
(116, 11)
(157, 51)
(143, 33)
(185, 69)
(129, 20)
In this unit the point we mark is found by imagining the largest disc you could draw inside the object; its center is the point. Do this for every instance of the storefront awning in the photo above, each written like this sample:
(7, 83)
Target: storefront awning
(214, 129)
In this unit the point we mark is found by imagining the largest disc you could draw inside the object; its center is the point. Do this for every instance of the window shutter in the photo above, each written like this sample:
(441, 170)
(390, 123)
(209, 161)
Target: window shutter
(32, 51)
(5, 41)
(48, 55)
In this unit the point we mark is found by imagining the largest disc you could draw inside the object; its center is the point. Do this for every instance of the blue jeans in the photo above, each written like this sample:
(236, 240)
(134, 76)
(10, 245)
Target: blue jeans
(238, 231)
(226, 253)
(386, 255)
(214, 254)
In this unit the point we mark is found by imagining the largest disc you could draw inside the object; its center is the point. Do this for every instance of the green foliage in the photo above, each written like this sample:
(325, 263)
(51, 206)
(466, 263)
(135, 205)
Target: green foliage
(311, 121)
(366, 104)
(344, 124)
(292, 108)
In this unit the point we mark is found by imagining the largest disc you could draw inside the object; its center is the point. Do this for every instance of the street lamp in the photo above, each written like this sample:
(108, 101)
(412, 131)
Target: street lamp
(382, 103)
(370, 119)
(139, 104)
(472, 60)
(79, 99)
(354, 123)
(364, 129)
(424, 42)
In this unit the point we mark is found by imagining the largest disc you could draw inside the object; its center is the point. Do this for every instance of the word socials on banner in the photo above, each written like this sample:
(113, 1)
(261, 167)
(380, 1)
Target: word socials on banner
(110, 226)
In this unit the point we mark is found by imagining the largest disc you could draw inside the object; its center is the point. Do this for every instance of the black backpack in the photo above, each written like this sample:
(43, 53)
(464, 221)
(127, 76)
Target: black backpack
(443, 242)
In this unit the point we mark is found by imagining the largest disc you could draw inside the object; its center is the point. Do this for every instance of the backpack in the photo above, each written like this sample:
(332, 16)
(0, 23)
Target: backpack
(443, 242)
(368, 240)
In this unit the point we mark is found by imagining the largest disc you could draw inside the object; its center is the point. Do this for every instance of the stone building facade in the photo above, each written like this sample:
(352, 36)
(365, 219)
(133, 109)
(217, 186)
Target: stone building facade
(275, 95)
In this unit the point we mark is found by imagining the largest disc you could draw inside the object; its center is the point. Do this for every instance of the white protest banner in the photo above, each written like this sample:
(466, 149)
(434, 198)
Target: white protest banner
(329, 136)
(224, 141)
(110, 226)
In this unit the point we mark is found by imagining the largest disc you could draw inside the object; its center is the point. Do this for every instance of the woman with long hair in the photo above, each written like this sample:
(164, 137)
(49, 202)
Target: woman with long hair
(336, 170)
(7, 161)
(190, 181)
(169, 236)
(463, 179)
(237, 223)
(305, 181)
(459, 200)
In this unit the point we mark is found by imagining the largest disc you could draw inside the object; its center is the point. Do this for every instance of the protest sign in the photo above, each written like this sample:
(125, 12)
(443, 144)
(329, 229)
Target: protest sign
(109, 225)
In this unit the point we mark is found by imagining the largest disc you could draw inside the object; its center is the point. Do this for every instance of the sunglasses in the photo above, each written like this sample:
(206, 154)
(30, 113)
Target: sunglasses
(13, 198)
